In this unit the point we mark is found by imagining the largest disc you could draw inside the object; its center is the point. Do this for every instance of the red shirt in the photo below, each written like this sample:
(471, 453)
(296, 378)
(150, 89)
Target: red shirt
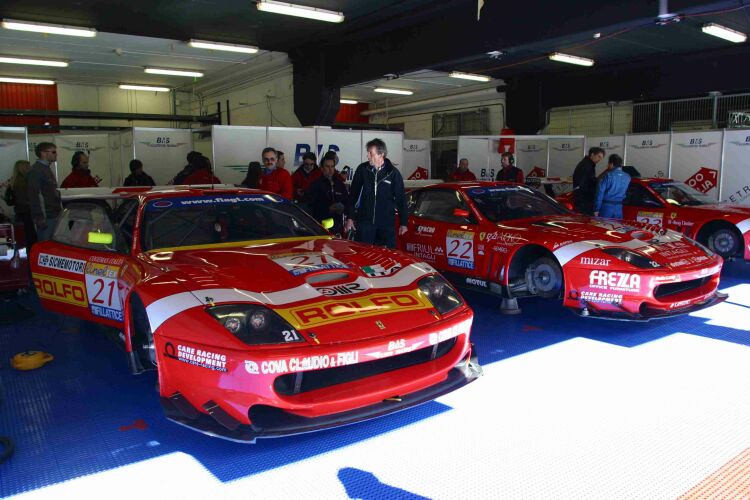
(277, 181)
(78, 179)
(301, 181)
(201, 176)
(458, 176)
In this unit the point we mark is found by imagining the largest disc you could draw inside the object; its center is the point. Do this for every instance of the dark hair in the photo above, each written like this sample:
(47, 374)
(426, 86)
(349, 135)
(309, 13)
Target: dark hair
(270, 150)
(596, 150)
(192, 156)
(202, 162)
(252, 179)
(43, 146)
(135, 165)
(379, 146)
(509, 155)
(330, 155)
(76, 160)
(615, 160)
(309, 156)
(279, 154)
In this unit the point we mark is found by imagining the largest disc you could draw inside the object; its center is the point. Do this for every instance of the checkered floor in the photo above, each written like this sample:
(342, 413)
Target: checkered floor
(568, 408)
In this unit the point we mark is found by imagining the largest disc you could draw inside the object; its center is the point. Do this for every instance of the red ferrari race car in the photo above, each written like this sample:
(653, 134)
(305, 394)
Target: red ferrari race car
(669, 204)
(514, 241)
(259, 322)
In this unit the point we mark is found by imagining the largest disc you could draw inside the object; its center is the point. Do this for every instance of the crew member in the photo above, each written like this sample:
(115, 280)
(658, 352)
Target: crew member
(81, 176)
(508, 171)
(584, 181)
(462, 172)
(202, 173)
(275, 180)
(377, 190)
(304, 176)
(44, 199)
(611, 190)
(137, 176)
(327, 195)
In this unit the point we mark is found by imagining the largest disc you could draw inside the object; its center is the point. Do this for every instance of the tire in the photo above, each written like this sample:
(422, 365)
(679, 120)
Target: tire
(724, 242)
(544, 278)
(143, 337)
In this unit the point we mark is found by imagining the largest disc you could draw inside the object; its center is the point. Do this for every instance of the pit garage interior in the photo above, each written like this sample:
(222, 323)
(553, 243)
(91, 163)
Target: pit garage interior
(568, 407)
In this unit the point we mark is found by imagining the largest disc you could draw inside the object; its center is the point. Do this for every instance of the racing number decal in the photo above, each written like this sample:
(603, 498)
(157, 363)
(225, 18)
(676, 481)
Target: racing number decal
(651, 218)
(101, 289)
(459, 247)
(302, 263)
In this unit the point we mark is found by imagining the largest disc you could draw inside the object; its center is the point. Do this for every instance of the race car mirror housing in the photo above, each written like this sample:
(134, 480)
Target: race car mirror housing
(631, 257)
(254, 324)
(440, 293)
(327, 223)
(460, 212)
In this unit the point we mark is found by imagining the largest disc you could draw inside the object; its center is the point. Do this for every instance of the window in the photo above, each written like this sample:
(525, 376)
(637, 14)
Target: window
(411, 201)
(513, 202)
(439, 204)
(639, 196)
(124, 218)
(78, 220)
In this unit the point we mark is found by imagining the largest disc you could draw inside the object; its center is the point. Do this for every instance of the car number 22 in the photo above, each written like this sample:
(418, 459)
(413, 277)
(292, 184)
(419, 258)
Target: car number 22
(459, 249)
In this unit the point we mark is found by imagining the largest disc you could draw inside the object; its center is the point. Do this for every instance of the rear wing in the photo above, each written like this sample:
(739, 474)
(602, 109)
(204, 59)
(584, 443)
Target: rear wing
(119, 192)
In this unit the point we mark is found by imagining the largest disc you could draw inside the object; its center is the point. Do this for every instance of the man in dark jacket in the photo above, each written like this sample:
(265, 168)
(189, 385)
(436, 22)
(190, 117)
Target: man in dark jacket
(137, 176)
(508, 171)
(327, 195)
(43, 184)
(584, 181)
(377, 190)
(187, 170)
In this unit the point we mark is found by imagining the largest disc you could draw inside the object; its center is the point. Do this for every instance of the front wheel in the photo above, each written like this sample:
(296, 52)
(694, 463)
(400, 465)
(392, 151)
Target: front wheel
(724, 242)
(544, 278)
(143, 338)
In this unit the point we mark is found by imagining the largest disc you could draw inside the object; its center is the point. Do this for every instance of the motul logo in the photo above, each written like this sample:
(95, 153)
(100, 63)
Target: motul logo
(615, 281)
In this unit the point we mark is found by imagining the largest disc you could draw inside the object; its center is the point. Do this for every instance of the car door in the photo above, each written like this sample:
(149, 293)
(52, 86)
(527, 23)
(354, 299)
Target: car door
(642, 205)
(78, 272)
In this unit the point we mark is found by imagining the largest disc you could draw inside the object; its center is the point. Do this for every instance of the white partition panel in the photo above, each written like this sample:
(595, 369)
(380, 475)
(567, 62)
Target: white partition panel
(648, 153)
(127, 151)
(116, 170)
(294, 142)
(735, 168)
(477, 151)
(13, 147)
(696, 157)
(346, 143)
(416, 159)
(96, 146)
(163, 151)
(531, 157)
(611, 144)
(233, 148)
(564, 155)
(394, 141)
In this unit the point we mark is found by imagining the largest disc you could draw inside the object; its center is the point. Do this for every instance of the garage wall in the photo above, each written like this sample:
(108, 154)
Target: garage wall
(112, 99)
(595, 119)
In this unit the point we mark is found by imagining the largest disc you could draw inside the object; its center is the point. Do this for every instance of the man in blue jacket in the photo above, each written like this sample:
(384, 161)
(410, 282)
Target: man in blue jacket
(376, 192)
(611, 190)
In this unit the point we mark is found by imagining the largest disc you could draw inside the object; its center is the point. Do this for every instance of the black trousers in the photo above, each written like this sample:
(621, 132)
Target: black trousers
(368, 232)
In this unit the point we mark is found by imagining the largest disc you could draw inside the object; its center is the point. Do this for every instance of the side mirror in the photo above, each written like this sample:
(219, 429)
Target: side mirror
(327, 223)
(460, 212)
(100, 238)
(672, 202)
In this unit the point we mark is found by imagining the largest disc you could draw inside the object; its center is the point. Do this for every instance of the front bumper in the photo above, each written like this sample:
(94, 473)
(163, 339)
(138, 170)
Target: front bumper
(648, 313)
(270, 422)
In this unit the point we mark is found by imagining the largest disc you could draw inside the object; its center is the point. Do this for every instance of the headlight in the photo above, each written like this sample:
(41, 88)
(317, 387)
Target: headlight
(631, 257)
(255, 324)
(441, 294)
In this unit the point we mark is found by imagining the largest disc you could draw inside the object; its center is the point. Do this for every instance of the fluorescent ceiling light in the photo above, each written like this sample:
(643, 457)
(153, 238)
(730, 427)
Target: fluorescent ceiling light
(32, 62)
(348, 101)
(566, 58)
(384, 90)
(469, 76)
(291, 9)
(124, 86)
(725, 33)
(174, 72)
(55, 29)
(7, 79)
(228, 47)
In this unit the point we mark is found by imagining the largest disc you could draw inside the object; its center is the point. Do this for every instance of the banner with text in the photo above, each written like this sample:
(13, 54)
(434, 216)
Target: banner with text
(234, 147)
(96, 146)
(695, 160)
(648, 153)
(163, 151)
(735, 170)
(416, 159)
(478, 152)
(611, 144)
(294, 142)
(531, 157)
(564, 155)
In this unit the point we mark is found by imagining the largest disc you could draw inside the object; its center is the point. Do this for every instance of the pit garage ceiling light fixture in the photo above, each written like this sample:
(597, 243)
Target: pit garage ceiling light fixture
(125, 86)
(33, 62)
(291, 9)
(384, 90)
(348, 101)
(173, 72)
(7, 79)
(469, 76)
(567, 58)
(228, 47)
(53, 29)
(724, 32)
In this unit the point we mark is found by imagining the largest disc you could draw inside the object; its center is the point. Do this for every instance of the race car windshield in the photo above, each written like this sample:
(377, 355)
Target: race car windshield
(679, 193)
(516, 202)
(207, 220)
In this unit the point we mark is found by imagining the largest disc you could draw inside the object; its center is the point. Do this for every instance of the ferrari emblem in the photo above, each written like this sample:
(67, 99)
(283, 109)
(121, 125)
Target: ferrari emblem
(380, 324)
(314, 337)
(673, 215)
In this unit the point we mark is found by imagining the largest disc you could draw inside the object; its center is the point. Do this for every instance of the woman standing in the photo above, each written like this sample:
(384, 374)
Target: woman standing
(18, 184)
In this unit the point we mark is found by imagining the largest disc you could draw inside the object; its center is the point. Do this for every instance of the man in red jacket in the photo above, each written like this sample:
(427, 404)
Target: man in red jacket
(81, 176)
(202, 173)
(463, 173)
(305, 175)
(275, 180)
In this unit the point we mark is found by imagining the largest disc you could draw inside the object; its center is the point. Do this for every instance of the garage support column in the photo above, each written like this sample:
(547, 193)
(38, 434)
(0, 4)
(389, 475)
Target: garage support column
(315, 101)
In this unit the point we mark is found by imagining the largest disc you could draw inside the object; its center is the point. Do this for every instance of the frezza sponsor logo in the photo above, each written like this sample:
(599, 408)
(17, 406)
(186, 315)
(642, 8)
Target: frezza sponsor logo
(615, 281)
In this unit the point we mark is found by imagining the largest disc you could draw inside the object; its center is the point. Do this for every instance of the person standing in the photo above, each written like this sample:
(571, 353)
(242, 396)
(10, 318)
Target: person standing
(327, 195)
(377, 191)
(18, 185)
(508, 171)
(275, 180)
(305, 175)
(252, 178)
(462, 172)
(44, 200)
(187, 169)
(137, 176)
(81, 176)
(611, 190)
(584, 181)
(202, 173)
(281, 161)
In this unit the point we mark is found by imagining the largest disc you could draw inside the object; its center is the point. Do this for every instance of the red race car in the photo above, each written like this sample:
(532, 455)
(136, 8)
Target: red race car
(514, 241)
(258, 321)
(669, 204)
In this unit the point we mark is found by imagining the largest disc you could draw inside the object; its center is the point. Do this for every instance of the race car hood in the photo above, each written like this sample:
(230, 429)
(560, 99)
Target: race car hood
(734, 212)
(571, 236)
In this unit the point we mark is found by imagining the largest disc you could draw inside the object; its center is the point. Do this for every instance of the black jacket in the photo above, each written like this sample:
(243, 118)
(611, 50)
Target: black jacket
(584, 185)
(375, 195)
(139, 180)
(323, 193)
